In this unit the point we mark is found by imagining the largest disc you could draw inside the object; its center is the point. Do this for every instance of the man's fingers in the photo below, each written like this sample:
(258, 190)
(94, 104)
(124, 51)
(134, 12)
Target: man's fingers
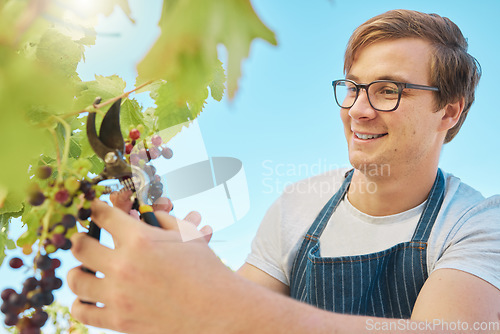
(85, 285)
(92, 315)
(167, 221)
(207, 232)
(121, 199)
(193, 217)
(163, 204)
(90, 252)
(113, 220)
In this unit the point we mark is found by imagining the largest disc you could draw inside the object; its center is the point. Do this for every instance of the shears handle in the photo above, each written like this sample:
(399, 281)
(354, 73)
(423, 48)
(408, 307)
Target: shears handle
(147, 215)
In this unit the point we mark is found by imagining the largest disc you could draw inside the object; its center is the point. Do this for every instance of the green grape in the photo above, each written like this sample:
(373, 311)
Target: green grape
(72, 184)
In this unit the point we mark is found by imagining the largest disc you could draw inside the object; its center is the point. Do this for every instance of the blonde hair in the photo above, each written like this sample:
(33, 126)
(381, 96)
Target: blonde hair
(453, 70)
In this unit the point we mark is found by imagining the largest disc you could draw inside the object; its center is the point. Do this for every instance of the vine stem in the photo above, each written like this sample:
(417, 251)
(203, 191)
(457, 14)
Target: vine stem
(56, 144)
(67, 142)
(45, 224)
(110, 101)
(126, 94)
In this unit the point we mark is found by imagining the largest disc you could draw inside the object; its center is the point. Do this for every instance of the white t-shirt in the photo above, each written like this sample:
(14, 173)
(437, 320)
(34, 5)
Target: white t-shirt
(465, 236)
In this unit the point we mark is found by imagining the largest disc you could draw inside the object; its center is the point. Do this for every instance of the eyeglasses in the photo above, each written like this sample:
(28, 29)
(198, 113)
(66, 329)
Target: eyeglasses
(383, 95)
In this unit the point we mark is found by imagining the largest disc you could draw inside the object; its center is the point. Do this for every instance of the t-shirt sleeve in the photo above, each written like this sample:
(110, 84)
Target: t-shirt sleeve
(474, 245)
(266, 252)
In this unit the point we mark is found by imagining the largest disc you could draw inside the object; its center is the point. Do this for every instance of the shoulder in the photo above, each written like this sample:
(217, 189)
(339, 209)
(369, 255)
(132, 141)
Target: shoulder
(466, 233)
(463, 202)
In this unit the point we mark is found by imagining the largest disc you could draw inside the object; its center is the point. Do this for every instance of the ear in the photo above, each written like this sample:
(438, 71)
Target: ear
(451, 115)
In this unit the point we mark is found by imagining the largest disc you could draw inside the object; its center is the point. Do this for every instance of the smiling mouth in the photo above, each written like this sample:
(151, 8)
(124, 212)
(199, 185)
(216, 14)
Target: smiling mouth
(366, 137)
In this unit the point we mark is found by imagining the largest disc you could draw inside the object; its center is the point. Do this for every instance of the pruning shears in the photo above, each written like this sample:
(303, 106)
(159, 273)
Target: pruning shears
(109, 145)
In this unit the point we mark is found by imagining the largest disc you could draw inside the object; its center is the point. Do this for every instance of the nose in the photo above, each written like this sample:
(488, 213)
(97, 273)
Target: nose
(361, 109)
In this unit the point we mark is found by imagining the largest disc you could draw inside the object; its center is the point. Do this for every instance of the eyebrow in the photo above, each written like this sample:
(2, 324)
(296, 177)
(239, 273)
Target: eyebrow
(385, 77)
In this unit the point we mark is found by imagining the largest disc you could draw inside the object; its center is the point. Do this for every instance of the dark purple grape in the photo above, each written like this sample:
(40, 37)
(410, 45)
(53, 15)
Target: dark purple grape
(39, 318)
(11, 319)
(43, 262)
(30, 284)
(36, 300)
(58, 240)
(167, 153)
(48, 298)
(155, 190)
(85, 186)
(150, 170)
(36, 198)
(43, 172)
(16, 263)
(47, 283)
(6, 293)
(17, 300)
(67, 245)
(56, 263)
(84, 214)
(68, 221)
(30, 330)
(6, 308)
(90, 195)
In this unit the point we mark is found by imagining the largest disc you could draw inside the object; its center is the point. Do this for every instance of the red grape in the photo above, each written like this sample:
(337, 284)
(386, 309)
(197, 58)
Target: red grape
(134, 134)
(15, 263)
(128, 148)
(62, 196)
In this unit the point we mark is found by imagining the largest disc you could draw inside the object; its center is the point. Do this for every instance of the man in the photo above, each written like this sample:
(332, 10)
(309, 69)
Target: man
(395, 238)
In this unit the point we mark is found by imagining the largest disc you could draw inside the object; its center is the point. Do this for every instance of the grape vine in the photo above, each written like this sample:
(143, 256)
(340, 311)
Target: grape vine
(49, 165)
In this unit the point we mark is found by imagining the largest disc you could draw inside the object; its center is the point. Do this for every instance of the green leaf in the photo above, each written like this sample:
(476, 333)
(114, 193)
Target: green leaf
(186, 51)
(131, 115)
(60, 52)
(103, 87)
(169, 113)
(12, 205)
(217, 84)
(5, 242)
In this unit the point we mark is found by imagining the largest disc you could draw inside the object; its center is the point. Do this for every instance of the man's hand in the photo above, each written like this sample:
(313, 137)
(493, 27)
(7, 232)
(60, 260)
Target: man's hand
(121, 200)
(152, 278)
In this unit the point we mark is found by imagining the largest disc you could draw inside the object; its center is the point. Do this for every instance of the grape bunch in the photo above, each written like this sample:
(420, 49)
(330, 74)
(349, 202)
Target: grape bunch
(60, 200)
(36, 293)
(141, 154)
(58, 203)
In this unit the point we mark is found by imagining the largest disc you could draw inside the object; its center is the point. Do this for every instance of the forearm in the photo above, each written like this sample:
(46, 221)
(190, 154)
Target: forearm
(249, 308)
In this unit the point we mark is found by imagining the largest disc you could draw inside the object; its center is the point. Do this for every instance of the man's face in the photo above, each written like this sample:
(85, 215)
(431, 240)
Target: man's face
(410, 133)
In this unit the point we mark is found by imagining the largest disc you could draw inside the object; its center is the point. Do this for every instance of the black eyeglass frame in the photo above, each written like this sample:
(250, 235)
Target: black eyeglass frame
(401, 86)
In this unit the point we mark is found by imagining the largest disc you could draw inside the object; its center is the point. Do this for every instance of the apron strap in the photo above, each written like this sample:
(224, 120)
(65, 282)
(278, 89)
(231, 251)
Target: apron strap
(321, 220)
(431, 210)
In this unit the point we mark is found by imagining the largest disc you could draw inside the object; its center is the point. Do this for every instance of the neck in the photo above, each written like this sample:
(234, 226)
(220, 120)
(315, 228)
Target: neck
(387, 192)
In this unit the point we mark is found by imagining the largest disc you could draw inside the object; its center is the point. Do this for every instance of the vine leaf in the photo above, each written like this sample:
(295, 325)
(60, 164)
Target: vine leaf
(104, 87)
(169, 113)
(60, 52)
(186, 52)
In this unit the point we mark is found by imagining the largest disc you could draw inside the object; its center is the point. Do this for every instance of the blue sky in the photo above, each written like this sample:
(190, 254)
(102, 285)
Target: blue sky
(283, 123)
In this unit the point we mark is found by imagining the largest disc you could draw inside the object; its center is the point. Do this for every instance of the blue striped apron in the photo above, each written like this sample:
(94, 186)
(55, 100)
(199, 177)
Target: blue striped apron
(383, 284)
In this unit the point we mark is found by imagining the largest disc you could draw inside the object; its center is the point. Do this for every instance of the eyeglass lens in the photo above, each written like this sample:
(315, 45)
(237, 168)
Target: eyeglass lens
(381, 95)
